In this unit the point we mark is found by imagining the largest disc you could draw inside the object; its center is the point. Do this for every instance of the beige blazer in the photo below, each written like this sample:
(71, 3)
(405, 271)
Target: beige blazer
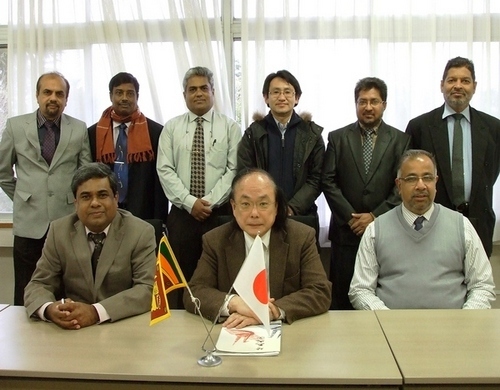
(124, 274)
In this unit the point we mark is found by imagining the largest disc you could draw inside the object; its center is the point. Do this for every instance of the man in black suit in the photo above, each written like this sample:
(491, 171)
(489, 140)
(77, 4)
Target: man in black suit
(358, 175)
(134, 161)
(480, 155)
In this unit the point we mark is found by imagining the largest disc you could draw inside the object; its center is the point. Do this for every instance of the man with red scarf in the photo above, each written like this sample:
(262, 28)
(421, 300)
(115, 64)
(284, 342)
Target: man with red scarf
(128, 142)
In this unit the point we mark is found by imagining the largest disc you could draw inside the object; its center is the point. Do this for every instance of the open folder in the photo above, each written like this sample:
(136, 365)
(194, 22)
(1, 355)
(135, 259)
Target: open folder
(250, 341)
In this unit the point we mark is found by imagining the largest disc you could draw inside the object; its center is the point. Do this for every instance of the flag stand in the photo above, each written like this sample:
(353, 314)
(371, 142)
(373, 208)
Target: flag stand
(209, 360)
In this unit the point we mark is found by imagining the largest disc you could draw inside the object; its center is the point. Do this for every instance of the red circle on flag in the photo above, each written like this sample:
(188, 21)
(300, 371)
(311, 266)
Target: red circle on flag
(260, 287)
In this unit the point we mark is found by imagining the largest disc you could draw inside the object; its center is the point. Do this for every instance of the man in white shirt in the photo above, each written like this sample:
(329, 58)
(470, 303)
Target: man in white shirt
(196, 204)
(421, 255)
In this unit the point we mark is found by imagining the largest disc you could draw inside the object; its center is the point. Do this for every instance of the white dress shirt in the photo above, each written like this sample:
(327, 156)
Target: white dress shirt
(477, 269)
(222, 136)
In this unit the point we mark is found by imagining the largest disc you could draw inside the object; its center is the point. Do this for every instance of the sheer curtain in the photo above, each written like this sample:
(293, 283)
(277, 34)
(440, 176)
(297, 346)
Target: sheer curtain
(329, 45)
(89, 41)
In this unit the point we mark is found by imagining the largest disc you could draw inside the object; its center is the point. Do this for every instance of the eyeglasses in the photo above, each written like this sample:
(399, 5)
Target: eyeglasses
(261, 206)
(412, 179)
(373, 102)
(288, 93)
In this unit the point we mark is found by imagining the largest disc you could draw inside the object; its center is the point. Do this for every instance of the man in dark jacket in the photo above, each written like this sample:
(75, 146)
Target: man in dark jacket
(134, 162)
(286, 145)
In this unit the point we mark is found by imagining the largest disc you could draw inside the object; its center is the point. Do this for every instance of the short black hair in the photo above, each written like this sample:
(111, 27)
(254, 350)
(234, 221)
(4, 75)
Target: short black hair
(368, 83)
(459, 62)
(95, 170)
(282, 211)
(123, 78)
(285, 75)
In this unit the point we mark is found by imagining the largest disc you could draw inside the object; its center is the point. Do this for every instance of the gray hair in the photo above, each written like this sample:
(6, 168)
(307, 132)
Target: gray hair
(198, 71)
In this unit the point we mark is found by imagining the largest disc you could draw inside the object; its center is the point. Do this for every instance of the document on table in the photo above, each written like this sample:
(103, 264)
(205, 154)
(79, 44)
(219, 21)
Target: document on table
(250, 341)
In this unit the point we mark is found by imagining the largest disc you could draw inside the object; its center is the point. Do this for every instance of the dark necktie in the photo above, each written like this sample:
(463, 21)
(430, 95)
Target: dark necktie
(368, 148)
(49, 142)
(121, 165)
(419, 223)
(98, 240)
(457, 162)
(198, 161)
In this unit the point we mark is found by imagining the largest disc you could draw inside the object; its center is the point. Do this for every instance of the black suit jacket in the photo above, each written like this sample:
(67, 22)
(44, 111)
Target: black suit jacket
(430, 132)
(145, 198)
(346, 187)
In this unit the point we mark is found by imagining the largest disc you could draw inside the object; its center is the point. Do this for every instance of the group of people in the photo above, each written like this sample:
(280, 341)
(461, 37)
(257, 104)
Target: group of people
(392, 245)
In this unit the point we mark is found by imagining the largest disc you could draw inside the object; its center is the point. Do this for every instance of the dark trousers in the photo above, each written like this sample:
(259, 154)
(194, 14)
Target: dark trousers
(184, 235)
(27, 251)
(343, 258)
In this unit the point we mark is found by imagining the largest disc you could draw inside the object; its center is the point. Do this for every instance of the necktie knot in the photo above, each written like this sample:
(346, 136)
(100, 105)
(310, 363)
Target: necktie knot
(49, 124)
(457, 116)
(369, 132)
(199, 121)
(97, 238)
(123, 127)
(419, 223)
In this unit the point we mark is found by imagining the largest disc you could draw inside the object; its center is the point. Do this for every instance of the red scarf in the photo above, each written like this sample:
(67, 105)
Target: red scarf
(139, 147)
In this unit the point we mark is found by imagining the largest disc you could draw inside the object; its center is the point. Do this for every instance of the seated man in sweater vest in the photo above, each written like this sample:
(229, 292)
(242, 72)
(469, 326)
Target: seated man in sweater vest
(421, 255)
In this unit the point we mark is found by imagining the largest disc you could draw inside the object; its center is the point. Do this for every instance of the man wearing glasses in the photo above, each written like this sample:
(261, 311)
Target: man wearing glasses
(358, 180)
(287, 145)
(298, 285)
(421, 255)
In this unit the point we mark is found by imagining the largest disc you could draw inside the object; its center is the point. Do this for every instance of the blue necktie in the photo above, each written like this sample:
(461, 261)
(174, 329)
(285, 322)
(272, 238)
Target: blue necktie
(121, 165)
(419, 223)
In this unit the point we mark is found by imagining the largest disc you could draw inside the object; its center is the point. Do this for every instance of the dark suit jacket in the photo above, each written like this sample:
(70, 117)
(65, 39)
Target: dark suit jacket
(145, 198)
(297, 278)
(125, 270)
(430, 132)
(346, 187)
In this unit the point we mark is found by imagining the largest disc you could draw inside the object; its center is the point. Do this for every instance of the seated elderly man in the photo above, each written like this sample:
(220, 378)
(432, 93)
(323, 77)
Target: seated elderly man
(297, 280)
(97, 264)
(421, 255)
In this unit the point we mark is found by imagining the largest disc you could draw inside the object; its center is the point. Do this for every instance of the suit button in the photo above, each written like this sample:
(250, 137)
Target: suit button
(366, 192)
(50, 193)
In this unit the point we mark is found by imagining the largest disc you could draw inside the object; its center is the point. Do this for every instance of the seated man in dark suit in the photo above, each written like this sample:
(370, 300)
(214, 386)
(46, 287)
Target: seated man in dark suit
(297, 281)
(98, 263)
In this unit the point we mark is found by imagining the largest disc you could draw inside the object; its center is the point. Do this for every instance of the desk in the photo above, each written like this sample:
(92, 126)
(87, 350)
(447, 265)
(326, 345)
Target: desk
(444, 347)
(334, 349)
(3, 306)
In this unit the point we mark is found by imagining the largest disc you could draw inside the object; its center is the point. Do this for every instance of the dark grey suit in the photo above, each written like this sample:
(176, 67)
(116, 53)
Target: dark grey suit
(430, 132)
(349, 190)
(124, 274)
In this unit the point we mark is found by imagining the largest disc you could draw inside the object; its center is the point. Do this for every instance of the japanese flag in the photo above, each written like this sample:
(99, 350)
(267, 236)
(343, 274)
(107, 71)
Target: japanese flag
(251, 283)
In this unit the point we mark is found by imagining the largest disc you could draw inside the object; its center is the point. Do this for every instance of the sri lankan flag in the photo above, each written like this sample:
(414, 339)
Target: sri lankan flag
(168, 277)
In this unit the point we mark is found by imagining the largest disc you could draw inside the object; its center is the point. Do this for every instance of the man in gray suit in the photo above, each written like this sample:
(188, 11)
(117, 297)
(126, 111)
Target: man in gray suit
(45, 147)
(359, 169)
(97, 264)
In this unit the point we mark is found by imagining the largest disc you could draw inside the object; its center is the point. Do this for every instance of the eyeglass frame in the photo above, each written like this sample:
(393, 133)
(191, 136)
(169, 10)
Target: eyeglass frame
(414, 179)
(287, 93)
(249, 206)
(373, 102)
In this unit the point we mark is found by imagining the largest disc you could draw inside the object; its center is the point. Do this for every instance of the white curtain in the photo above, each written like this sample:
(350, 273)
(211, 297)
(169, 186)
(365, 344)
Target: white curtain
(89, 41)
(329, 45)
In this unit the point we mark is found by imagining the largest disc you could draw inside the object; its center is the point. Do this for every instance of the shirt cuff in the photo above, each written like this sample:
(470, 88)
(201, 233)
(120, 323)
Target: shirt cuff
(41, 311)
(101, 312)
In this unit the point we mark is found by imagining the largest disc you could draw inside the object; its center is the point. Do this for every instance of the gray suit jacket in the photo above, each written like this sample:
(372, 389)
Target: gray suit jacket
(124, 275)
(297, 278)
(41, 193)
(430, 132)
(348, 189)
